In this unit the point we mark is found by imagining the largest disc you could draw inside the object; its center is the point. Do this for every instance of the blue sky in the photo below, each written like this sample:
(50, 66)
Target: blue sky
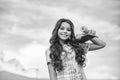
(26, 26)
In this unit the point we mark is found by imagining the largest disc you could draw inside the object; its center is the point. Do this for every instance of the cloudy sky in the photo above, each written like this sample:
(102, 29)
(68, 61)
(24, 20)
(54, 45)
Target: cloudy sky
(26, 26)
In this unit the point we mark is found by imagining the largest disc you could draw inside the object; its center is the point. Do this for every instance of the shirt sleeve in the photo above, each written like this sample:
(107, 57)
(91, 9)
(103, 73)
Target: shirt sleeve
(85, 47)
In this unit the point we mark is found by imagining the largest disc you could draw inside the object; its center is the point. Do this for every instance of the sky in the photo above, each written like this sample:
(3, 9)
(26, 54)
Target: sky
(26, 27)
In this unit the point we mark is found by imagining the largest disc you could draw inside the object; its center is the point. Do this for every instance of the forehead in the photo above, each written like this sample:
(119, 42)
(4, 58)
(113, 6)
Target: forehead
(65, 24)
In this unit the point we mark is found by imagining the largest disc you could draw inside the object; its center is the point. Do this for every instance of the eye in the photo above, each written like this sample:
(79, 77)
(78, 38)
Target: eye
(68, 29)
(62, 28)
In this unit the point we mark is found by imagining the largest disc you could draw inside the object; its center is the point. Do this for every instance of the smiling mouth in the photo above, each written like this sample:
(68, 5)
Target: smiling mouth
(64, 35)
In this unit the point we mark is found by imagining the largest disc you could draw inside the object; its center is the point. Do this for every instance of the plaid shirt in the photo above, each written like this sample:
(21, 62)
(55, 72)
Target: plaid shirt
(72, 71)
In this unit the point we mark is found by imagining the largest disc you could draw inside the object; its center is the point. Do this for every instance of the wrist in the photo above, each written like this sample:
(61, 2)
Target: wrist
(86, 38)
(94, 37)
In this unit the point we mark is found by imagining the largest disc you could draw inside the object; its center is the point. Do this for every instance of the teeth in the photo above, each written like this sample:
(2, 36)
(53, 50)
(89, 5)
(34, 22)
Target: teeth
(64, 35)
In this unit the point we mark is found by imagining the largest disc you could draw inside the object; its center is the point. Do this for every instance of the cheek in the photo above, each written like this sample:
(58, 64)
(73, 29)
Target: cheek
(59, 30)
(58, 34)
(70, 33)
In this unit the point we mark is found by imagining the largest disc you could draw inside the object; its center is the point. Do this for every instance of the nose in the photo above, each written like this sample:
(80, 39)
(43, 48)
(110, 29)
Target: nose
(65, 31)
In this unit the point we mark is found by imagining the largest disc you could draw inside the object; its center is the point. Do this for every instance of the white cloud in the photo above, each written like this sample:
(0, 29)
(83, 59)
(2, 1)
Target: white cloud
(28, 19)
(34, 57)
(101, 72)
(31, 58)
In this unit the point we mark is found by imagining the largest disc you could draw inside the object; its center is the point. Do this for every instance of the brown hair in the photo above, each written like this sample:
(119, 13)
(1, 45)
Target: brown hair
(56, 47)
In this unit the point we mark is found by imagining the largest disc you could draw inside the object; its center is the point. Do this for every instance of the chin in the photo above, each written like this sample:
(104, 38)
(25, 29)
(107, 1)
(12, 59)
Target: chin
(64, 39)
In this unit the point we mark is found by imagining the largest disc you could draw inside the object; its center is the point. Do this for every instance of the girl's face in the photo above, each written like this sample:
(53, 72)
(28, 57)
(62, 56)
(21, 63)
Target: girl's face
(64, 31)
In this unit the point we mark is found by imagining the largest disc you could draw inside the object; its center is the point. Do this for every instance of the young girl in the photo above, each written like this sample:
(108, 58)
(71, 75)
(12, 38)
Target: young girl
(66, 55)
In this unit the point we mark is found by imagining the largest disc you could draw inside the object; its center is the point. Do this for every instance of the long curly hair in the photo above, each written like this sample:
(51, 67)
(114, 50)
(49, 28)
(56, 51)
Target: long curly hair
(56, 48)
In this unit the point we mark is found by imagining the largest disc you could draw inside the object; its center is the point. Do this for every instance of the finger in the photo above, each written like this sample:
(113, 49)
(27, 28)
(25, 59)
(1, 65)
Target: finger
(90, 32)
(84, 29)
(94, 32)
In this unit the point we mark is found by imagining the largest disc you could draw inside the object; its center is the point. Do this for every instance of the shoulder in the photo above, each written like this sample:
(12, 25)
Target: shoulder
(47, 52)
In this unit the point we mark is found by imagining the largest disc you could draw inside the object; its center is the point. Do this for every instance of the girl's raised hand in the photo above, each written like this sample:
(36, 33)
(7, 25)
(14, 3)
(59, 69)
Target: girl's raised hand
(92, 32)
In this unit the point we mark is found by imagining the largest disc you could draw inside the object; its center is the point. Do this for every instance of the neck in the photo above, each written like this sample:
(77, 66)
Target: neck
(62, 42)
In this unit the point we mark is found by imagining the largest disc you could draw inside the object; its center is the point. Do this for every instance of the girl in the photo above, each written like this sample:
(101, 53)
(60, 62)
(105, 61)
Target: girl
(66, 55)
